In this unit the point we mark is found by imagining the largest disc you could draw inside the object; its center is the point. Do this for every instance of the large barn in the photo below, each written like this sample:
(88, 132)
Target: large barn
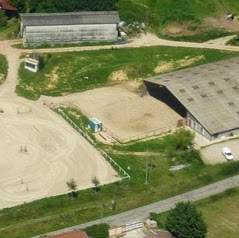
(207, 96)
(39, 28)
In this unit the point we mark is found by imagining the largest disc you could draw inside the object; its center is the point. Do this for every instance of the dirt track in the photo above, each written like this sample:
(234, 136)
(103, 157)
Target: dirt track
(55, 152)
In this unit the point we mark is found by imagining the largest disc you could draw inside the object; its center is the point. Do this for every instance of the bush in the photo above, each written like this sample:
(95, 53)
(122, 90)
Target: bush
(98, 231)
(184, 221)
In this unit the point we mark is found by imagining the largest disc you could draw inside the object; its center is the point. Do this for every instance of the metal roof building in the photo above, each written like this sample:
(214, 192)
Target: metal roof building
(38, 28)
(208, 93)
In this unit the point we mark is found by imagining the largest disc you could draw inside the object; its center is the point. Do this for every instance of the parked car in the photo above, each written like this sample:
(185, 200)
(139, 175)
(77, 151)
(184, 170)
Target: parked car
(227, 153)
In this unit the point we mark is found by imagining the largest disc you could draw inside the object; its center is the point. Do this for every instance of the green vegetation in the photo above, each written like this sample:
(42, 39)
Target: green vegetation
(220, 212)
(234, 41)
(3, 68)
(78, 71)
(99, 231)
(63, 45)
(184, 221)
(3, 19)
(10, 31)
(63, 6)
(161, 13)
(200, 37)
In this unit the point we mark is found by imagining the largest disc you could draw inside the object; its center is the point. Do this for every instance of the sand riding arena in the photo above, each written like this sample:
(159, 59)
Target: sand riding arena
(39, 152)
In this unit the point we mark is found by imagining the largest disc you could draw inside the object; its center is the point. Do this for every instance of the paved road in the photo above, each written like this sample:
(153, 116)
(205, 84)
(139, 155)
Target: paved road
(159, 207)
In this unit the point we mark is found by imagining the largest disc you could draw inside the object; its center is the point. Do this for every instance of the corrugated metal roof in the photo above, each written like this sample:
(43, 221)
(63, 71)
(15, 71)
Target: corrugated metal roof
(70, 18)
(209, 92)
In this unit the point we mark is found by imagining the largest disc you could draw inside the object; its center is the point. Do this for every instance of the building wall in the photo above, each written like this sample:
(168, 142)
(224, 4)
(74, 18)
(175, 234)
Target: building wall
(196, 126)
(69, 33)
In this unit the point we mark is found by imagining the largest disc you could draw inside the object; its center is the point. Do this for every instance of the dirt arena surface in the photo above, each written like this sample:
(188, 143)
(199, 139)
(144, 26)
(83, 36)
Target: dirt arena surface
(212, 154)
(39, 152)
(124, 112)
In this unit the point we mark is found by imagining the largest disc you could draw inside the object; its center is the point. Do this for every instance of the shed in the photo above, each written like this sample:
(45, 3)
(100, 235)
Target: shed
(31, 64)
(71, 27)
(95, 125)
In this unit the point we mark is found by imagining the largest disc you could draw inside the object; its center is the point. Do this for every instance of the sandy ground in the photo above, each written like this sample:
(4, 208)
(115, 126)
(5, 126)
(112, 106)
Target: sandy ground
(212, 154)
(123, 112)
(39, 152)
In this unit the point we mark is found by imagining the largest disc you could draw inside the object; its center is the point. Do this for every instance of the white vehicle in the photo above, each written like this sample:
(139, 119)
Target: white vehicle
(227, 153)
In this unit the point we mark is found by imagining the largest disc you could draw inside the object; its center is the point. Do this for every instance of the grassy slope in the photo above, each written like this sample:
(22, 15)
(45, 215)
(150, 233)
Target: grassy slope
(71, 72)
(3, 65)
(159, 13)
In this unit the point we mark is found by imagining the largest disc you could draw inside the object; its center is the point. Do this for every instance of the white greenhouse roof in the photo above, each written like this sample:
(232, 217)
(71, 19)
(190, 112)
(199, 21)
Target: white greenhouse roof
(70, 18)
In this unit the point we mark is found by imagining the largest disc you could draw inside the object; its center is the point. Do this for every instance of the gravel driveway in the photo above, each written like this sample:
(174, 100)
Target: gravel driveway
(212, 154)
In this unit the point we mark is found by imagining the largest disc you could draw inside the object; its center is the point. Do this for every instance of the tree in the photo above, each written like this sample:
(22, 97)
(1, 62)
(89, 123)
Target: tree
(72, 186)
(96, 183)
(184, 221)
(182, 138)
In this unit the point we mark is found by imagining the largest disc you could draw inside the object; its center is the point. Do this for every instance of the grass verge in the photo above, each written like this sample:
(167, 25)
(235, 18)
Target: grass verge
(3, 68)
(63, 45)
(200, 37)
(220, 212)
(73, 72)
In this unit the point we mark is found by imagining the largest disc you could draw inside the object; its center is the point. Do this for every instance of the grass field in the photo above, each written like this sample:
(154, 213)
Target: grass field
(161, 13)
(3, 67)
(78, 71)
(220, 212)
(58, 212)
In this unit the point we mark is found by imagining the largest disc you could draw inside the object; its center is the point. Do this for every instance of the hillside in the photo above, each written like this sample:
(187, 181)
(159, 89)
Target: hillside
(182, 17)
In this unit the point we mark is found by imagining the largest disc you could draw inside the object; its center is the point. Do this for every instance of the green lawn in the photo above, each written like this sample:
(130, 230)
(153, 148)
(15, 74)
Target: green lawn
(78, 71)
(3, 67)
(58, 212)
(220, 212)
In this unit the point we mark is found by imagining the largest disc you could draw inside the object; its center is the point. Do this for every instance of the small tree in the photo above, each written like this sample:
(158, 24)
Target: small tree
(72, 186)
(182, 138)
(96, 183)
(184, 221)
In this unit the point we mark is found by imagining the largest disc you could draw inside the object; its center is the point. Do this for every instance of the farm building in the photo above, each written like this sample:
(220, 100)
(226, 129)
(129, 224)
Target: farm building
(207, 96)
(6, 6)
(74, 27)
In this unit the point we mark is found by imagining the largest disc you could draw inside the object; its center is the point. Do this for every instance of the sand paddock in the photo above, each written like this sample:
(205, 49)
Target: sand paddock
(124, 112)
(39, 152)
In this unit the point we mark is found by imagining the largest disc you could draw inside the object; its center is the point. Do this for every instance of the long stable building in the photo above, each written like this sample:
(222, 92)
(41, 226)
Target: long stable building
(207, 96)
(73, 27)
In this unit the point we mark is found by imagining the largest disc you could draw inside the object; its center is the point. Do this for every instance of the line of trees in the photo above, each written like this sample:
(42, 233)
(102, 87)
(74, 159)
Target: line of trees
(51, 6)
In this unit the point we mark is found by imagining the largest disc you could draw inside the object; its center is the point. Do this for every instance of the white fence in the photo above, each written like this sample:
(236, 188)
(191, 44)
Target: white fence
(133, 226)
(126, 175)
